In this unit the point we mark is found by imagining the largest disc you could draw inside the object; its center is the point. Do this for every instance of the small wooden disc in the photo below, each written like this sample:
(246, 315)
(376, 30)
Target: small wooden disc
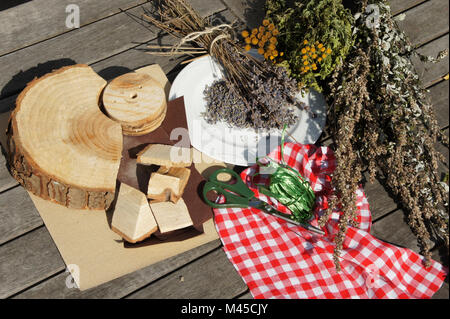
(135, 100)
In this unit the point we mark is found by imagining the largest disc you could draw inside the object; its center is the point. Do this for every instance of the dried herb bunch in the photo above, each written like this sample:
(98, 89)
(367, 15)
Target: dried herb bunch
(260, 109)
(225, 103)
(323, 26)
(383, 121)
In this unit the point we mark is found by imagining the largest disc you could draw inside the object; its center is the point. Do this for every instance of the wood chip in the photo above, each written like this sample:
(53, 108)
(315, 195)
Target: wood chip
(133, 220)
(171, 216)
(160, 187)
(182, 173)
(165, 155)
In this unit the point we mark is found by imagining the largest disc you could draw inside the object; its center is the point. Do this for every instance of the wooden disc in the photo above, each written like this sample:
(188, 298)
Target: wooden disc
(135, 100)
(61, 146)
(144, 129)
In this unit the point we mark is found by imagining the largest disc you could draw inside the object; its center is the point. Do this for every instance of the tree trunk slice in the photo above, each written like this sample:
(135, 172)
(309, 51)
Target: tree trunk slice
(61, 146)
(136, 101)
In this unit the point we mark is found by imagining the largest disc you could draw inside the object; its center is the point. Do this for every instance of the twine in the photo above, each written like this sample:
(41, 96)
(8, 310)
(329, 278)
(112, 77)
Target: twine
(194, 35)
(289, 187)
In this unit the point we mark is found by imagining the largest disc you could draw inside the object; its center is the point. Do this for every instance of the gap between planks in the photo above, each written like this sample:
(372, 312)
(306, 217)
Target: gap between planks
(401, 6)
(119, 287)
(189, 281)
(99, 42)
(108, 10)
(113, 12)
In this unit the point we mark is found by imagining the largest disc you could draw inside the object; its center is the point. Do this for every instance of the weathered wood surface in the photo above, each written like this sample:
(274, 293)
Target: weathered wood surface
(380, 203)
(389, 229)
(432, 72)
(246, 295)
(250, 11)
(439, 98)
(103, 39)
(39, 20)
(62, 50)
(17, 214)
(141, 278)
(398, 6)
(426, 22)
(27, 260)
(55, 287)
(136, 57)
(6, 180)
(212, 276)
(32, 260)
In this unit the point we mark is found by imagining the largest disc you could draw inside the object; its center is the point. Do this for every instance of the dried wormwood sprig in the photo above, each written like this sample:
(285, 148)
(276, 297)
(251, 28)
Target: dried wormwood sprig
(383, 121)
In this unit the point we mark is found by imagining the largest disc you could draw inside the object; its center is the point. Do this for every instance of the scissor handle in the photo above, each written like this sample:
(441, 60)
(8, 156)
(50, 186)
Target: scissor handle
(231, 200)
(239, 187)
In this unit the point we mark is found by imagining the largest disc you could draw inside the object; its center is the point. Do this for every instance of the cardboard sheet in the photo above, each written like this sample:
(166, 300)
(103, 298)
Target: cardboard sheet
(84, 237)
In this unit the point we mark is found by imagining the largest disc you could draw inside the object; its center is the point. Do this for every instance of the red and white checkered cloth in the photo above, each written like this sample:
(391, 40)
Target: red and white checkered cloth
(277, 259)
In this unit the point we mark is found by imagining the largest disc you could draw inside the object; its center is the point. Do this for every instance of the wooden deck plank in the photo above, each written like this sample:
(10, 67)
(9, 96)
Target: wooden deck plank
(5, 104)
(380, 203)
(439, 97)
(444, 151)
(89, 44)
(27, 260)
(247, 295)
(250, 12)
(137, 57)
(6, 180)
(55, 287)
(398, 6)
(426, 22)
(394, 229)
(212, 276)
(20, 67)
(131, 57)
(432, 72)
(17, 214)
(39, 20)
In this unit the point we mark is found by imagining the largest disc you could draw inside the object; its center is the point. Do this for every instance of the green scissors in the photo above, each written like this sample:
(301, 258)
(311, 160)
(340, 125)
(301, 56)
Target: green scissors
(239, 195)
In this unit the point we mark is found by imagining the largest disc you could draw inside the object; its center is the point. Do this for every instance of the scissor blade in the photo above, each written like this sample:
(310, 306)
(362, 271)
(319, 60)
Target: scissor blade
(269, 209)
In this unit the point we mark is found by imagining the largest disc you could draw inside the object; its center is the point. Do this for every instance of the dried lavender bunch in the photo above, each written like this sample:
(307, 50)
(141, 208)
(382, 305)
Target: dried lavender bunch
(267, 108)
(240, 69)
(383, 120)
